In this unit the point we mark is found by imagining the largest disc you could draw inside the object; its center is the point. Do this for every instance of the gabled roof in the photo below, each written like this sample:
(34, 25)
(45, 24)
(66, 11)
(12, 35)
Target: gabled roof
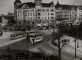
(47, 4)
(30, 4)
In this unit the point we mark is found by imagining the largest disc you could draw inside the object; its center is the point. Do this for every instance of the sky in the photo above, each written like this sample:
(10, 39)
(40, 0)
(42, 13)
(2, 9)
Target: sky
(8, 6)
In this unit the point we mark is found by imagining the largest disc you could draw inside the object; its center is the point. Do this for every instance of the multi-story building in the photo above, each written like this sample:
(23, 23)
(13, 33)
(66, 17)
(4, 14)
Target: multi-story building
(37, 13)
(43, 14)
(68, 13)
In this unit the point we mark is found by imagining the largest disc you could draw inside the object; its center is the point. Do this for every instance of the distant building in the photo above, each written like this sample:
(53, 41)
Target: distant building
(4, 20)
(44, 14)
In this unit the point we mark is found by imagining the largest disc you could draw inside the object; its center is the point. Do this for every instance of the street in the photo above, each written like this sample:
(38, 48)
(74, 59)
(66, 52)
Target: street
(45, 46)
(50, 49)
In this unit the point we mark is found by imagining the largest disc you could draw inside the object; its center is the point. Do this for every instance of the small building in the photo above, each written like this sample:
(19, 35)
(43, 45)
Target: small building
(4, 19)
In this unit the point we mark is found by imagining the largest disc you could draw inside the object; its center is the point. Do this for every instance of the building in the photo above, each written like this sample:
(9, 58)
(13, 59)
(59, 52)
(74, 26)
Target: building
(36, 13)
(6, 20)
(3, 21)
(69, 14)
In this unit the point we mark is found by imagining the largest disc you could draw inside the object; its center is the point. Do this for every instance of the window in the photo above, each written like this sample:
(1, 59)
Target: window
(31, 17)
(43, 9)
(47, 9)
(48, 13)
(48, 17)
(18, 15)
(52, 13)
(38, 17)
(33, 14)
(38, 14)
(52, 17)
(52, 9)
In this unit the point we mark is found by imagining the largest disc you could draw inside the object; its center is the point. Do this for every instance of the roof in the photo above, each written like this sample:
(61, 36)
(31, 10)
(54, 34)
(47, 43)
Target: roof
(31, 4)
(65, 6)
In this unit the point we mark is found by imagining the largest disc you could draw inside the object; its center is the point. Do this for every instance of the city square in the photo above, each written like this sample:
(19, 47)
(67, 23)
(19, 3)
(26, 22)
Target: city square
(41, 31)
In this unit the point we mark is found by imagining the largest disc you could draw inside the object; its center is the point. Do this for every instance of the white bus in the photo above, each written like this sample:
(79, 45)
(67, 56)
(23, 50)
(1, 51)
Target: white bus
(35, 38)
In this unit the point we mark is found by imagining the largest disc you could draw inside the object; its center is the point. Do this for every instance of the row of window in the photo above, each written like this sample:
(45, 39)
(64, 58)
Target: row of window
(38, 14)
(34, 10)
(45, 17)
(30, 14)
(37, 17)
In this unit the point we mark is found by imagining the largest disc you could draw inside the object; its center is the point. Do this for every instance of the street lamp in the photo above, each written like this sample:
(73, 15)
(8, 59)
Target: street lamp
(76, 36)
(59, 45)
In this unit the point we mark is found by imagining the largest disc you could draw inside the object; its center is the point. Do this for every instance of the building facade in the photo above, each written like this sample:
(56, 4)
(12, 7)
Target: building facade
(68, 14)
(36, 13)
(44, 14)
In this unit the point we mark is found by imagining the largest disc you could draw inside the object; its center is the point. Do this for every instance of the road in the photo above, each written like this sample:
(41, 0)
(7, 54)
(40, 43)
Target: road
(49, 49)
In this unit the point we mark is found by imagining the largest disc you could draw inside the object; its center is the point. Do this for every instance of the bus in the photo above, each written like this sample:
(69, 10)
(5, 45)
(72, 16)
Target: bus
(34, 38)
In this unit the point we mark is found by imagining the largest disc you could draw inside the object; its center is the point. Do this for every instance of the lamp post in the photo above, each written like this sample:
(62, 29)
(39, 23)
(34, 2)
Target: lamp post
(75, 50)
(59, 45)
(76, 36)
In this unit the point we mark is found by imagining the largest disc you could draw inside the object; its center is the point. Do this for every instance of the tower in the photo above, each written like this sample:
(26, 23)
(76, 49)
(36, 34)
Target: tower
(17, 3)
(38, 3)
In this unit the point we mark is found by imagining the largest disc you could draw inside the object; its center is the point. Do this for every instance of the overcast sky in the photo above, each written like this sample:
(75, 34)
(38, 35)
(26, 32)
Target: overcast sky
(7, 5)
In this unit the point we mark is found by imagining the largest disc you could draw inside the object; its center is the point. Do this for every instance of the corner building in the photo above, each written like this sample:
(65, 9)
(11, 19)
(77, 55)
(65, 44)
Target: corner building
(36, 13)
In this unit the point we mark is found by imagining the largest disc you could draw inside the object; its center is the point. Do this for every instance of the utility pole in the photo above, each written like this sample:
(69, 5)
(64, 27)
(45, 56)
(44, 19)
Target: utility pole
(76, 44)
(75, 50)
(59, 45)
